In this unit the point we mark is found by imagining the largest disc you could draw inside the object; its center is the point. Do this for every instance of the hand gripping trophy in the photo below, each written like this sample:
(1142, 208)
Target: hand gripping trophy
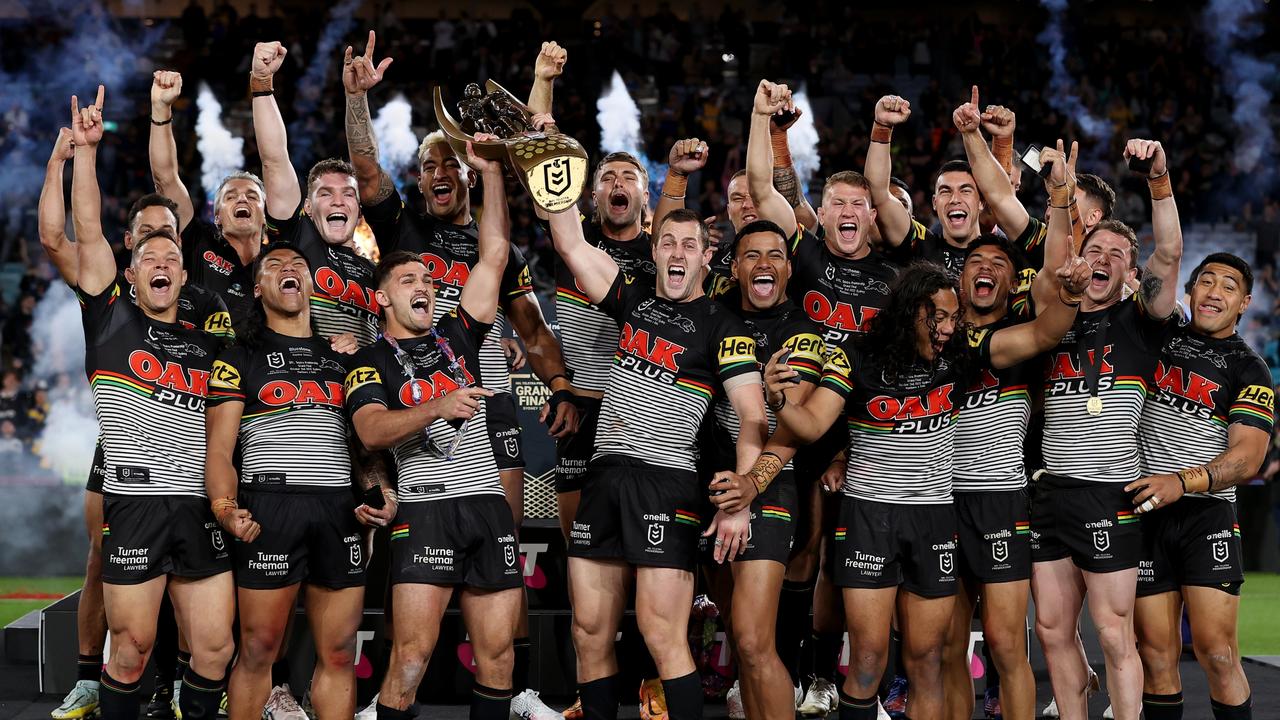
(550, 164)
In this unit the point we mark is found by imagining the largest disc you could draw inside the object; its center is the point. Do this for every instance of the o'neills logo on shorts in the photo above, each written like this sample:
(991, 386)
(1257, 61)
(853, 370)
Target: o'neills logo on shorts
(1099, 524)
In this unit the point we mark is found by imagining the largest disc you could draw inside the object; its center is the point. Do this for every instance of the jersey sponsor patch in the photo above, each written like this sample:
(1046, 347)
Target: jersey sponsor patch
(735, 350)
(360, 377)
(1258, 400)
(224, 376)
(219, 323)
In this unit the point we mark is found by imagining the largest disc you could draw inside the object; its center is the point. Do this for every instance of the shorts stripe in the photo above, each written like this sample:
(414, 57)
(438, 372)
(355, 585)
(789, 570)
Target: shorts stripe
(400, 532)
(773, 511)
(688, 518)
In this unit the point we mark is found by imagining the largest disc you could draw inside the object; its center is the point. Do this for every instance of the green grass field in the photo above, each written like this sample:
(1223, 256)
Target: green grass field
(1259, 622)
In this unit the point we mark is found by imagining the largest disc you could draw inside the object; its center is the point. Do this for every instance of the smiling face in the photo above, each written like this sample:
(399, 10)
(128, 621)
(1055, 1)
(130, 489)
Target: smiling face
(408, 299)
(847, 217)
(741, 208)
(1110, 258)
(987, 279)
(1218, 298)
(156, 272)
(681, 256)
(283, 283)
(620, 194)
(334, 207)
(445, 184)
(935, 328)
(957, 205)
(762, 269)
(240, 209)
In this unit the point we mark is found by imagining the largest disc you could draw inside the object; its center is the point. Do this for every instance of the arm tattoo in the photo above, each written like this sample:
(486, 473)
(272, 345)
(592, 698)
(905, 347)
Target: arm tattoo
(1226, 471)
(362, 143)
(787, 184)
(765, 470)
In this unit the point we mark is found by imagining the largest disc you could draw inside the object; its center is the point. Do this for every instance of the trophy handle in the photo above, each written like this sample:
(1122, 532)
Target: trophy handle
(493, 86)
(457, 139)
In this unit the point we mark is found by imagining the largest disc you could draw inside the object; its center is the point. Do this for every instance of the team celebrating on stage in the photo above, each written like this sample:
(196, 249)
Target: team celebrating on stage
(836, 410)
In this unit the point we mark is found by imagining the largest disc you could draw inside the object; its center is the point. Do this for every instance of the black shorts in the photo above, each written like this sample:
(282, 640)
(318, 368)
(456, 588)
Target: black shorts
(772, 531)
(504, 431)
(574, 453)
(879, 545)
(1092, 523)
(811, 461)
(646, 515)
(1195, 541)
(98, 471)
(995, 535)
(306, 535)
(456, 541)
(144, 537)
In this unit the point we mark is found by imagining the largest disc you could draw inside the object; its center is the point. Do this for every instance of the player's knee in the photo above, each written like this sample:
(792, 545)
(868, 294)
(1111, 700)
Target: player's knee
(259, 645)
(1005, 644)
(754, 645)
(865, 668)
(1052, 633)
(1217, 655)
(1115, 636)
(498, 661)
(217, 652)
(129, 655)
(657, 628)
(412, 652)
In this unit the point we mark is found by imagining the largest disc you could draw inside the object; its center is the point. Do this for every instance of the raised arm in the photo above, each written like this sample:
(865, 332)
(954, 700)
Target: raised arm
(893, 220)
(359, 74)
(592, 268)
(52, 212)
(1160, 276)
(687, 156)
(281, 180)
(166, 86)
(480, 294)
(993, 180)
(771, 205)
(97, 266)
(785, 180)
(546, 68)
(1021, 342)
(1059, 240)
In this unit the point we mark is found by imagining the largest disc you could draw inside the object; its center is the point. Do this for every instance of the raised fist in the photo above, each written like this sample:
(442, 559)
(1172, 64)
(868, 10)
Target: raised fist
(267, 58)
(892, 110)
(1148, 150)
(688, 156)
(64, 148)
(166, 86)
(772, 98)
(550, 62)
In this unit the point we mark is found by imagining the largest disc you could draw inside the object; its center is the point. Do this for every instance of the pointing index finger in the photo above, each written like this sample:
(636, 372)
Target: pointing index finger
(368, 49)
(973, 97)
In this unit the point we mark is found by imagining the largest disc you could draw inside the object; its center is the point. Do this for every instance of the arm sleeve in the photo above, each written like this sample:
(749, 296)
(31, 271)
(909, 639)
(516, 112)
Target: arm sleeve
(837, 374)
(621, 297)
(286, 229)
(384, 220)
(736, 352)
(1031, 242)
(516, 280)
(216, 319)
(458, 325)
(1254, 400)
(226, 381)
(364, 384)
(98, 311)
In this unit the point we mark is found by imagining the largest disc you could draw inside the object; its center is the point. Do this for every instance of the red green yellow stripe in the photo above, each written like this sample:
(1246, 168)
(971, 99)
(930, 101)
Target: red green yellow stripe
(694, 387)
(106, 529)
(1022, 527)
(841, 533)
(400, 532)
(103, 377)
(1236, 530)
(688, 518)
(1254, 411)
(775, 512)
(572, 297)
(839, 381)
(265, 413)
(870, 427)
(1014, 392)
(1124, 517)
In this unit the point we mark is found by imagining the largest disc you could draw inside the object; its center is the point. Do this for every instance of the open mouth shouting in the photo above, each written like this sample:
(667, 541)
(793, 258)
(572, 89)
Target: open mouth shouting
(957, 218)
(290, 286)
(619, 202)
(1100, 279)
(336, 222)
(984, 285)
(763, 283)
(420, 307)
(848, 231)
(442, 192)
(242, 211)
(675, 276)
(161, 285)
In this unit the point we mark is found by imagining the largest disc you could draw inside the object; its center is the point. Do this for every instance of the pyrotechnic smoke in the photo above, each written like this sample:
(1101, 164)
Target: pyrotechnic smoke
(315, 80)
(802, 139)
(66, 444)
(1062, 95)
(397, 145)
(1228, 25)
(619, 120)
(221, 153)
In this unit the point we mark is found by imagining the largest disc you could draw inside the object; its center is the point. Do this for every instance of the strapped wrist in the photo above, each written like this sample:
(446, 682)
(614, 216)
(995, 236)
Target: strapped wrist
(881, 133)
(781, 151)
(675, 185)
(1160, 186)
(261, 84)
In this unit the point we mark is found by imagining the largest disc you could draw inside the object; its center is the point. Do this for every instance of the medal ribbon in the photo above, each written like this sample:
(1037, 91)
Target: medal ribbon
(1092, 365)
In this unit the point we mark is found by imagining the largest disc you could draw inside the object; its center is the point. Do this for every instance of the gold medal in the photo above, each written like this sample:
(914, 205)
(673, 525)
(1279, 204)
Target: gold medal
(1094, 406)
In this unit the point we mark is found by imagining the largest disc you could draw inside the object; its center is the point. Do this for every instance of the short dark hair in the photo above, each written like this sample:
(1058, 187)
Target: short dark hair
(326, 166)
(735, 176)
(900, 183)
(997, 241)
(684, 215)
(150, 200)
(277, 246)
(620, 156)
(1119, 228)
(951, 166)
(391, 261)
(758, 226)
(1235, 262)
(1101, 192)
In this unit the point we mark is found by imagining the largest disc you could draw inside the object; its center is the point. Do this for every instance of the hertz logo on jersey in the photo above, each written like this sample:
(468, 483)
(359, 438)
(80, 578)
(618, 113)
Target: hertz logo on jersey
(219, 324)
(1259, 395)
(360, 377)
(735, 350)
(224, 376)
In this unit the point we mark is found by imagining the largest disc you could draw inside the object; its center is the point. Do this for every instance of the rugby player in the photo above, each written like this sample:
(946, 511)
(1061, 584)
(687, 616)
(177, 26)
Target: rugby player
(149, 376)
(841, 282)
(197, 308)
(278, 396)
(1205, 428)
(417, 392)
(900, 386)
(446, 240)
(1094, 386)
(217, 256)
(640, 500)
(748, 591)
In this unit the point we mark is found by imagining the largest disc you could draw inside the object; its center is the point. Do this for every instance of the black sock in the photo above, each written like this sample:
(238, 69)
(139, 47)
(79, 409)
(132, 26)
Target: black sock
(520, 671)
(89, 667)
(200, 696)
(600, 698)
(386, 713)
(490, 703)
(181, 662)
(826, 654)
(280, 672)
(166, 658)
(117, 700)
(1162, 707)
(684, 697)
(852, 708)
(793, 619)
(1243, 711)
(895, 644)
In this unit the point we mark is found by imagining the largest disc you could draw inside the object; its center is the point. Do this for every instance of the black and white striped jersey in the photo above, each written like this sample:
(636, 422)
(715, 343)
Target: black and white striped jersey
(450, 252)
(671, 360)
(839, 294)
(1101, 447)
(423, 467)
(213, 264)
(784, 325)
(342, 293)
(149, 380)
(992, 425)
(1203, 385)
(293, 428)
(588, 335)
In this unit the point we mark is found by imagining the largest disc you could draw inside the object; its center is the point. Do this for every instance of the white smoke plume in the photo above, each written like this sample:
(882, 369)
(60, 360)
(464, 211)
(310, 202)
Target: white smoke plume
(1062, 95)
(1228, 25)
(66, 444)
(397, 145)
(619, 120)
(802, 138)
(221, 152)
